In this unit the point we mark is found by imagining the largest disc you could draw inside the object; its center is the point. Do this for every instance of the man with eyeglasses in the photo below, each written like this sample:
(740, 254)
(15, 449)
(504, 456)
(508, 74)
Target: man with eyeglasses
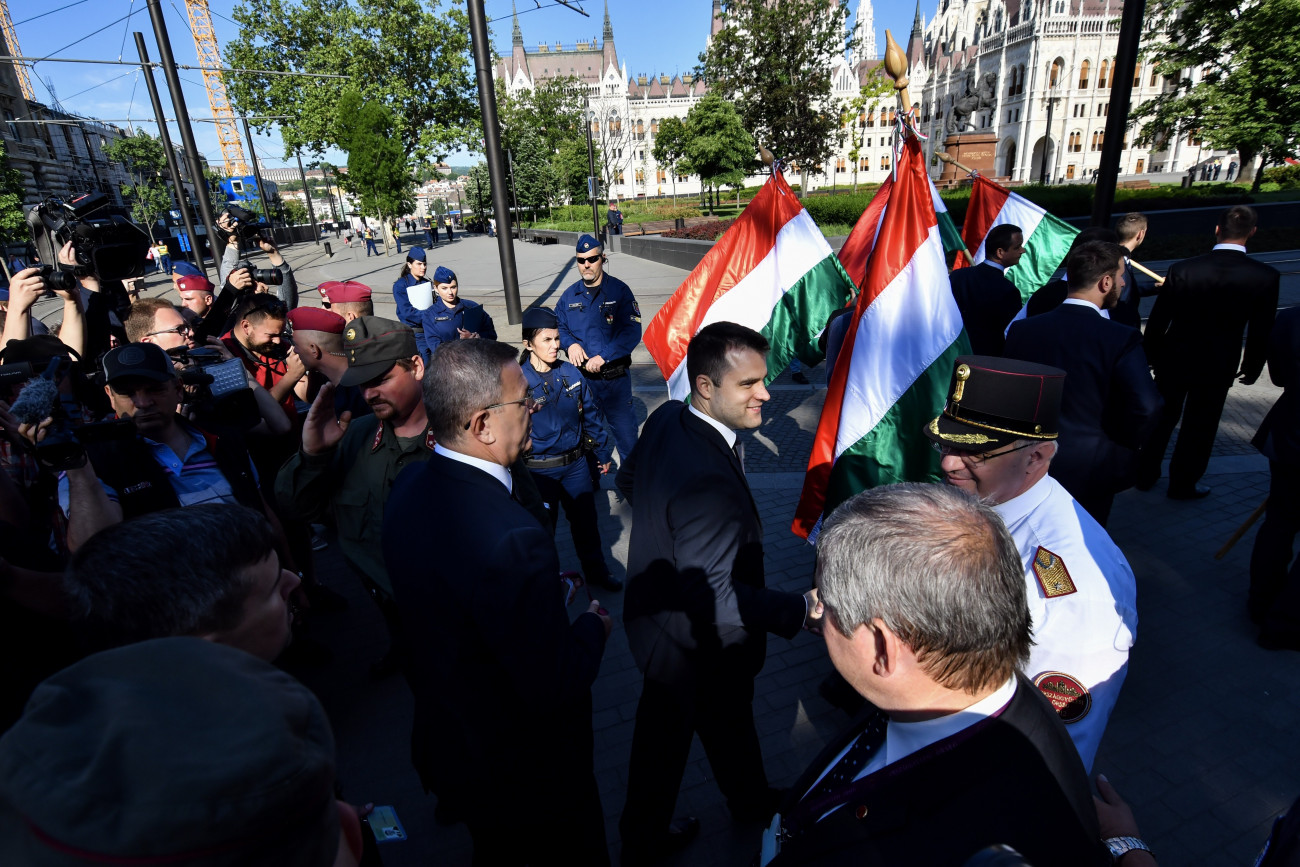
(600, 325)
(501, 678)
(997, 436)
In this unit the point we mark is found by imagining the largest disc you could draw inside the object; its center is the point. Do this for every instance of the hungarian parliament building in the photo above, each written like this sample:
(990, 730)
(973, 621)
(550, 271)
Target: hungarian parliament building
(1035, 78)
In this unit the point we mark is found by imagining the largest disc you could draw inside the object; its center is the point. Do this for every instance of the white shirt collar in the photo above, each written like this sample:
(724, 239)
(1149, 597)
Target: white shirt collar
(1016, 508)
(1083, 302)
(496, 471)
(904, 738)
(727, 433)
(1240, 248)
(993, 264)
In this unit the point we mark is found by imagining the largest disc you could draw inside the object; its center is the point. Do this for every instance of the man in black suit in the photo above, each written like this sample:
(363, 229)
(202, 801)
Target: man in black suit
(926, 616)
(1274, 580)
(1109, 404)
(986, 298)
(502, 680)
(697, 609)
(1132, 231)
(1193, 340)
(1051, 296)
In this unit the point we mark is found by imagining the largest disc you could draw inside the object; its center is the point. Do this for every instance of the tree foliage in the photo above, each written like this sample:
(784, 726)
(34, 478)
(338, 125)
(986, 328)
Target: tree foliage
(570, 166)
(405, 55)
(478, 191)
(670, 148)
(13, 225)
(773, 60)
(377, 175)
(878, 84)
(1244, 96)
(146, 161)
(552, 110)
(718, 146)
(535, 183)
(295, 212)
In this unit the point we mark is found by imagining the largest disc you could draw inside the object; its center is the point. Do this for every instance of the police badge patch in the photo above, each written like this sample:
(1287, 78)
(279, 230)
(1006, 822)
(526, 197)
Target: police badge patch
(1068, 696)
(1051, 573)
(636, 312)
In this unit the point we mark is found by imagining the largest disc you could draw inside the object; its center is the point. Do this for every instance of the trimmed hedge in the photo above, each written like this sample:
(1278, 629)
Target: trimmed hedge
(710, 231)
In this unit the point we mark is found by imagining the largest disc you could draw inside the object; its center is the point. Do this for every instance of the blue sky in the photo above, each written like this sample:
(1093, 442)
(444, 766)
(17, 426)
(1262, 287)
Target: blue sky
(664, 36)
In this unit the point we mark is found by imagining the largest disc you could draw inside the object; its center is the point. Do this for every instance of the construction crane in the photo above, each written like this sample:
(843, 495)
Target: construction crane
(11, 40)
(205, 42)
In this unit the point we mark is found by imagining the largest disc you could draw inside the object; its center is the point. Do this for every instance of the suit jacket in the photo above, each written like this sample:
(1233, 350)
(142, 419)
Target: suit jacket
(695, 560)
(1278, 437)
(1018, 781)
(487, 638)
(1109, 405)
(987, 301)
(1205, 306)
(1048, 298)
(1128, 311)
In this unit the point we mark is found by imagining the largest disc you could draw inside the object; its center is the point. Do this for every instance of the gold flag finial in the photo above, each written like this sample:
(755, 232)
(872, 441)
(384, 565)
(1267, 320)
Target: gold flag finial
(896, 66)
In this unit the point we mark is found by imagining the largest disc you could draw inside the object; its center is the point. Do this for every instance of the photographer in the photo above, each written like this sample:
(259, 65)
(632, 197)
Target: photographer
(25, 289)
(239, 225)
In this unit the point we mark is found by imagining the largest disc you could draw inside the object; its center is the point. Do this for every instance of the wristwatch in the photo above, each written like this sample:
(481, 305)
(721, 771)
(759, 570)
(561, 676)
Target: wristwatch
(1120, 846)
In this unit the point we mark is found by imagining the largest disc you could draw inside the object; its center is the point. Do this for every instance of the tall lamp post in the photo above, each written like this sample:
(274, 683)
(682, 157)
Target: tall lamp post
(1053, 94)
(592, 184)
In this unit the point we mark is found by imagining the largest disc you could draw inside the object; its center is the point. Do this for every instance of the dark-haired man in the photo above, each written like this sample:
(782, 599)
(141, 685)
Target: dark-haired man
(1193, 338)
(257, 339)
(1109, 405)
(1055, 292)
(698, 609)
(988, 301)
(1131, 229)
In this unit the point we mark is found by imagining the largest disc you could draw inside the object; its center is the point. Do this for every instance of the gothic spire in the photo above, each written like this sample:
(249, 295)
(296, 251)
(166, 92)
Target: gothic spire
(608, 35)
(916, 22)
(518, 35)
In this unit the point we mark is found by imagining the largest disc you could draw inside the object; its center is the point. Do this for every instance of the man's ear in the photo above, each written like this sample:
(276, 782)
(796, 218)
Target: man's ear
(418, 361)
(704, 386)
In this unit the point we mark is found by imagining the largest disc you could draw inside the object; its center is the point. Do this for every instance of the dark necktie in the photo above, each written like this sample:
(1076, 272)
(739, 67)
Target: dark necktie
(847, 768)
(739, 450)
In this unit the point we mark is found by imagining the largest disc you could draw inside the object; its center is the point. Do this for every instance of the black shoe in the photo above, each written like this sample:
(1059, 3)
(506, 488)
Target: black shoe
(679, 835)
(609, 582)
(323, 599)
(1196, 492)
(798, 376)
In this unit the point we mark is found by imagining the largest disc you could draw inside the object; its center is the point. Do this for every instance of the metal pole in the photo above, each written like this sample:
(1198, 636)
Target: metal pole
(1130, 31)
(514, 193)
(593, 186)
(311, 213)
(168, 63)
(1047, 138)
(172, 167)
(487, 98)
(257, 175)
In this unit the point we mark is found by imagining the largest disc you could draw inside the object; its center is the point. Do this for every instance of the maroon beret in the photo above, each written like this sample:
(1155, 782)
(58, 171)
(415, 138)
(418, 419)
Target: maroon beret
(344, 291)
(316, 319)
(195, 283)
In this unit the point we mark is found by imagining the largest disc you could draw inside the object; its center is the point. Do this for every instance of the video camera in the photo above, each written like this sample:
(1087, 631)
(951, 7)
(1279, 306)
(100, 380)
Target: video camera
(63, 445)
(245, 224)
(215, 388)
(105, 242)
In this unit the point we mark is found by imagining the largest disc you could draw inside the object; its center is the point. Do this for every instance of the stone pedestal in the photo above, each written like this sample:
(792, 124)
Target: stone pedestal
(975, 150)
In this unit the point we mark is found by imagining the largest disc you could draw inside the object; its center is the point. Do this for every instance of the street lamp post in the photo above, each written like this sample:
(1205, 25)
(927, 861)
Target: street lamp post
(1053, 94)
(592, 183)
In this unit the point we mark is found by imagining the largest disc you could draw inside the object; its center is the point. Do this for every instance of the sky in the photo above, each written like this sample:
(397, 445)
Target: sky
(665, 36)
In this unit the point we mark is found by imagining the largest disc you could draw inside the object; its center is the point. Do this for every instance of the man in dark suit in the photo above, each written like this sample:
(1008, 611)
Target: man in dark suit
(926, 616)
(1051, 296)
(1132, 231)
(1274, 580)
(1109, 404)
(1193, 340)
(986, 298)
(697, 609)
(502, 680)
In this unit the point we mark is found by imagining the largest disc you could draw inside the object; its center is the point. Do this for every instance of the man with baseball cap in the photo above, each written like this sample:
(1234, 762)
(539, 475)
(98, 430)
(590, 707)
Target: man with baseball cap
(997, 435)
(346, 467)
(600, 325)
(348, 298)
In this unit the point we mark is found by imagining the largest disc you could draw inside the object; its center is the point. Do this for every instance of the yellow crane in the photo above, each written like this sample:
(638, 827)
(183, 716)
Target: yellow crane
(205, 42)
(11, 40)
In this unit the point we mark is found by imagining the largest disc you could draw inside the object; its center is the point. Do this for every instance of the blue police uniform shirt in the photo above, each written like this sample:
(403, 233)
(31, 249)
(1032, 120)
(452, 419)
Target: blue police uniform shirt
(604, 320)
(443, 323)
(405, 311)
(557, 423)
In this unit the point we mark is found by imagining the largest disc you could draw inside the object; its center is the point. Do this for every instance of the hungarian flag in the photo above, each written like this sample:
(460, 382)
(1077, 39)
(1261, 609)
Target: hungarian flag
(893, 370)
(1047, 239)
(858, 246)
(771, 271)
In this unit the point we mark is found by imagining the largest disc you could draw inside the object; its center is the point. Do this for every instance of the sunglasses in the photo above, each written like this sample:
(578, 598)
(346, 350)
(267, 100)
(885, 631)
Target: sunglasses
(587, 260)
(183, 328)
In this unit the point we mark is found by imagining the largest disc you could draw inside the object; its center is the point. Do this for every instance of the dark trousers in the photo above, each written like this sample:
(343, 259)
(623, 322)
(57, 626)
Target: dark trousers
(371, 248)
(714, 698)
(614, 397)
(562, 825)
(1200, 404)
(1274, 579)
(571, 488)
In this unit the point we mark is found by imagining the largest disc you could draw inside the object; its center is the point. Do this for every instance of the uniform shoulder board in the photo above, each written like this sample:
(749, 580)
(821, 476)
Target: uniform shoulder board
(1052, 575)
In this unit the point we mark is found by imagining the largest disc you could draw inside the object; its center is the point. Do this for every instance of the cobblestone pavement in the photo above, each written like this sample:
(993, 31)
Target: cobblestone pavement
(1202, 741)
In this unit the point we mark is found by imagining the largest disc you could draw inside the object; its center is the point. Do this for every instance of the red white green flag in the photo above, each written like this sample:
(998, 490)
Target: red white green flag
(771, 271)
(1047, 238)
(896, 361)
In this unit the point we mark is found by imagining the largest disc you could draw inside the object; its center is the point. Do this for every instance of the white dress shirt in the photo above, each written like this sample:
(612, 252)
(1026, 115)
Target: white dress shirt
(496, 471)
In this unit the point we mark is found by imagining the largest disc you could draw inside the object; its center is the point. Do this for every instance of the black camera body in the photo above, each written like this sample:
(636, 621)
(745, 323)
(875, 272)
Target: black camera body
(104, 241)
(245, 226)
(55, 278)
(269, 276)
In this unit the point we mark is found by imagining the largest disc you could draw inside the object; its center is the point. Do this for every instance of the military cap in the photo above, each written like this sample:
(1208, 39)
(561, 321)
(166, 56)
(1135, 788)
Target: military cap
(316, 319)
(185, 269)
(195, 283)
(540, 317)
(993, 402)
(372, 346)
(443, 274)
(587, 242)
(344, 291)
(415, 254)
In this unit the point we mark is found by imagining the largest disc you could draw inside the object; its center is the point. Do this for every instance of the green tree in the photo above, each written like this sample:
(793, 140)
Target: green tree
(670, 147)
(146, 161)
(570, 166)
(534, 177)
(13, 225)
(878, 84)
(216, 195)
(478, 192)
(552, 110)
(377, 175)
(406, 55)
(1244, 97)
(771, 58)
(719, 147)
(295, 212)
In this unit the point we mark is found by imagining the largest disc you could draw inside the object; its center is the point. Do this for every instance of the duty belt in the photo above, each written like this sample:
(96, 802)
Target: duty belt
(550, 463)
(613, 369)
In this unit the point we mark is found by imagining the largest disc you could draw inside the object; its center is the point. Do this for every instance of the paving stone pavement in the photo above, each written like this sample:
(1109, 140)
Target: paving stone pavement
(1202, 742)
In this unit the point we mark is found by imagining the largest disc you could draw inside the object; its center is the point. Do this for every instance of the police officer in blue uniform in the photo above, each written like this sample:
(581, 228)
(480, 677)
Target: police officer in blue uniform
(451, 317)
(565, 421)
(412, 273)
(600, 325)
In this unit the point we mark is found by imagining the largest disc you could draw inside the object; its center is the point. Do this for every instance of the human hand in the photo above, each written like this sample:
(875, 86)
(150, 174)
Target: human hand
(605, 619)
(1113, 815)
(1245, 379)
(604, 468)
(816, 612)
(240, 279)
(215, 343)
(321, 431)
(294, 369)
(25, 289)
(67, 256)
(9, 425)
(577, 355)
(34, 433)
(466, 334)
(595, 363)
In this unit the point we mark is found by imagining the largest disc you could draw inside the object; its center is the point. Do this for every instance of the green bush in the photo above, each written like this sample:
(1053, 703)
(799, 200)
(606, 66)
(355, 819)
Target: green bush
(1286, 177)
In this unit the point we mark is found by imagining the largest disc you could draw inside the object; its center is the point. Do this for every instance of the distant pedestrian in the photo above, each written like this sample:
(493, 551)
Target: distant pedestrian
(1218, 167)
(370, 242)
(1232, 170)
(448, 225)
(428, 233)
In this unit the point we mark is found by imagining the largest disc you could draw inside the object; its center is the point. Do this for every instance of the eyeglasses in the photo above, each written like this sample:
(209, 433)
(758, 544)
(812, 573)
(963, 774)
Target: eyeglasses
(587, 260)
(974, 459)
(183, 328)
(530, 406)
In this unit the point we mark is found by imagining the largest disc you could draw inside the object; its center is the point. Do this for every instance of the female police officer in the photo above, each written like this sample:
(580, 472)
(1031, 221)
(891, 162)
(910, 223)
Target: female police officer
(451, 317)
(412, 273)
(565, 415)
